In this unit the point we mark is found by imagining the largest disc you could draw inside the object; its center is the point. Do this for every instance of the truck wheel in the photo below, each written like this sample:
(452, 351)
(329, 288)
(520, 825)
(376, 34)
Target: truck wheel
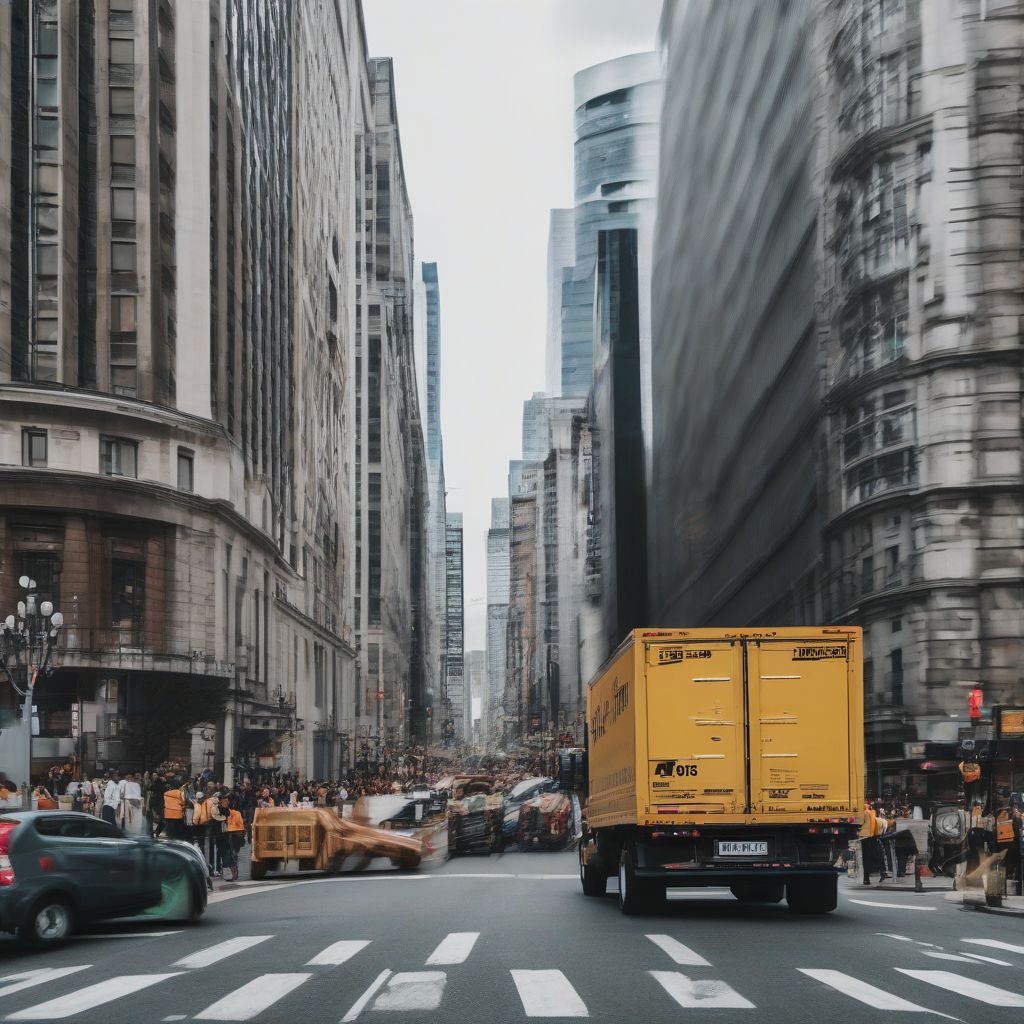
(758, 892)
(812, 895)
(592, 877)
(636, 895)
(258, 870)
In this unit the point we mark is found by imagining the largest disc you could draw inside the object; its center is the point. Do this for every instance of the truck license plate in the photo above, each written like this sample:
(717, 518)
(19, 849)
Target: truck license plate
(730, 848)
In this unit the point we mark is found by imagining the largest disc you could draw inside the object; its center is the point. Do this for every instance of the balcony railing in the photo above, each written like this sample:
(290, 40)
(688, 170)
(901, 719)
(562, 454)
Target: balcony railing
(129, 646)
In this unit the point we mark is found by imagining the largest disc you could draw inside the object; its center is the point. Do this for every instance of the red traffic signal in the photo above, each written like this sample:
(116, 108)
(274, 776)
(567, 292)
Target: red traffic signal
(974, 699)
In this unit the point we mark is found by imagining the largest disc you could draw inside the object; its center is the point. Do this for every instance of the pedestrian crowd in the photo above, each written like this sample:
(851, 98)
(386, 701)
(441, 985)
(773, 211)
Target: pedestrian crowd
(218, 818)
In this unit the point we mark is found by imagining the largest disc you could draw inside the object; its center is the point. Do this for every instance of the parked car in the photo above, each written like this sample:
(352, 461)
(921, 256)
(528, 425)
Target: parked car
(61, 869)
(474, 815)
(518, 795)
(545, 820)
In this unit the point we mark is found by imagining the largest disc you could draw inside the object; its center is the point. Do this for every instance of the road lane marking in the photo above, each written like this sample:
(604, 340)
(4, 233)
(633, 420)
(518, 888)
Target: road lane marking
(128, 935)
(865, 993)
(681, 954)
(995, 944)
(338, 953)
(359, 1005)
(987, 959)
(947, 956)
(412, 990)
(92, 996)
(705, 994)
(890, 906)
(214, 954)
(29, 979)
(454, 948)
(548, 994)
(254, 997)
(968, 987)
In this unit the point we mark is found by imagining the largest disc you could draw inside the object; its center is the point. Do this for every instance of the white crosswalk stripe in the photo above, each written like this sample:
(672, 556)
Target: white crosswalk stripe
(987, 959)
(29, 979)
(682, 955)
(90, 997)
(412, 990)
(1009, 947)
(214, 954)
(454, 948)
(338, 953)
(253, 998)
(691, 993)
(548, 994)
(862, 991)
(968, 987)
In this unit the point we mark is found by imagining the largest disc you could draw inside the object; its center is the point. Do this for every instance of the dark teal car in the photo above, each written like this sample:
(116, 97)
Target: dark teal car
(61, 869)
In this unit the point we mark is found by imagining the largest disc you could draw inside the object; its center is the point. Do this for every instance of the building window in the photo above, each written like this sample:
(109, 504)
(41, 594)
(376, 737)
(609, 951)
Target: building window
(122, 257)
(122, 51)
(118, 456)
(45, 570)
(33, 447)
(122, 204)
(122, 102)
(896, 625)
(185, 470)
(124, 381)
(127, 587)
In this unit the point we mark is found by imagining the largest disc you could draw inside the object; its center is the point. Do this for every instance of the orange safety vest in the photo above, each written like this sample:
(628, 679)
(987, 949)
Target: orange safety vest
(201, 812)
(235, 822)
(174, 804)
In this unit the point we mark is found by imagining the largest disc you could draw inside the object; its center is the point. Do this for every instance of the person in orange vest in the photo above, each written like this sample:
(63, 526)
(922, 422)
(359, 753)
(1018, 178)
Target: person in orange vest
(871, 846)
(173, 811)
(236, 834)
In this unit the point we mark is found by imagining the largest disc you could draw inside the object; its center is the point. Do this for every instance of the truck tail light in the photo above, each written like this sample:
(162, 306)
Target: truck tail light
(6, 869)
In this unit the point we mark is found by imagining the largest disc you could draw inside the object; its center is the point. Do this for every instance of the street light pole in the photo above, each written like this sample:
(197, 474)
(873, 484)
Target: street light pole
(27, 641)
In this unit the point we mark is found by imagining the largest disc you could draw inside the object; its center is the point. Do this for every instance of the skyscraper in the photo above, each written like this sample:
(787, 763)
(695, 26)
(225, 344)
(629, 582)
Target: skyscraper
(561, 253)
(497, 615)
(457, 704)
(428, 336)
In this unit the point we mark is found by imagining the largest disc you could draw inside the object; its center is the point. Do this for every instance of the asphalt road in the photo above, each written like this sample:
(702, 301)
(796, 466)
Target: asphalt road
(505, 938)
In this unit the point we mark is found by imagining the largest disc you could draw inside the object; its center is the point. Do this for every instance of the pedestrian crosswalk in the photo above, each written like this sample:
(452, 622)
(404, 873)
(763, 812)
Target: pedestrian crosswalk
(675, 975)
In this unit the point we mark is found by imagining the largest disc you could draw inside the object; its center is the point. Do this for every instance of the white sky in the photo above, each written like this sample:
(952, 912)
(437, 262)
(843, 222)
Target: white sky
(485, 111)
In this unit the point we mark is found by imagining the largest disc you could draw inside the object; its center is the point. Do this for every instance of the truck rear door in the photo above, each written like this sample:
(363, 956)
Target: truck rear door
(799, 694)
(695, 742)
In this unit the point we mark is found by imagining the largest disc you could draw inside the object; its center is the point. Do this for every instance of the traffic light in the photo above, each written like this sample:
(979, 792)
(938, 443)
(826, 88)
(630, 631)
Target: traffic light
(430, 712)
(974, 700)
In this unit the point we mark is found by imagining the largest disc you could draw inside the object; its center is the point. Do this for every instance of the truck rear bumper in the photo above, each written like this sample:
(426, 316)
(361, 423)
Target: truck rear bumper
(724, 874)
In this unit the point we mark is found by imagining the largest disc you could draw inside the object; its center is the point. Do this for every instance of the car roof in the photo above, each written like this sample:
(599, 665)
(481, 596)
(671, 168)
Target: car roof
(29, 815)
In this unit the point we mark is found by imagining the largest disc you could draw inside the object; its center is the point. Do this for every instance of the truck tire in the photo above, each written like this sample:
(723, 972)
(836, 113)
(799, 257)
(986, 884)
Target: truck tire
(636, 895)
(758, 892)
(816, 895)
(592, 876)
(258, 870)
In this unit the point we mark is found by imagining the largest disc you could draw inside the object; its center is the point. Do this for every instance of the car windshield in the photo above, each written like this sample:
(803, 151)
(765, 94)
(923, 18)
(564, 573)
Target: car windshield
(523, 790)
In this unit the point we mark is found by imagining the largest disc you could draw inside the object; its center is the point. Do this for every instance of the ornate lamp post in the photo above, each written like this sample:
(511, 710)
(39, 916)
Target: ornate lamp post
(27, 642)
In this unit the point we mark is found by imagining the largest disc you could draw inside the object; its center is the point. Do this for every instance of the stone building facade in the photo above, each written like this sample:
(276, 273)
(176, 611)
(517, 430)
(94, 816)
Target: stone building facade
(391, 496)
(838, 427)
(178, 314)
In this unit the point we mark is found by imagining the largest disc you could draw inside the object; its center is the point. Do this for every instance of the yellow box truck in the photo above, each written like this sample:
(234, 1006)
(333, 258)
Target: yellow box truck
(725, 757)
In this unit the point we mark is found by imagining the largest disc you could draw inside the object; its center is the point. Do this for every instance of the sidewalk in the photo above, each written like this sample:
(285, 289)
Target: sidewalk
(904, 884)
(1012, 906)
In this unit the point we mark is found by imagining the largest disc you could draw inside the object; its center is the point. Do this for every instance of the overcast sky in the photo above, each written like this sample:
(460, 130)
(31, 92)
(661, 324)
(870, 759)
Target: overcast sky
(485, 111)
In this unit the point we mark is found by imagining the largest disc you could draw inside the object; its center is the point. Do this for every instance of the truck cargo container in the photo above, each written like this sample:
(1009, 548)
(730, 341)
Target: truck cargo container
(725, 757)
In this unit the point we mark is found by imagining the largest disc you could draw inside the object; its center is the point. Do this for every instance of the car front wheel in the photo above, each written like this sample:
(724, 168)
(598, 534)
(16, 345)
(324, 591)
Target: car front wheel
(48, 923)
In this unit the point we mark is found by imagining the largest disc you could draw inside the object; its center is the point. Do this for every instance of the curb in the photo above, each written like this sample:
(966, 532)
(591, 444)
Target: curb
(982, 907)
